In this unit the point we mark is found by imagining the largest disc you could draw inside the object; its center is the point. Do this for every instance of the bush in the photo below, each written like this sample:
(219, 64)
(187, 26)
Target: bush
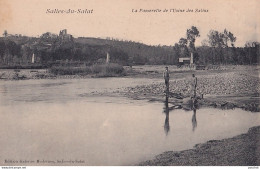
(101, 70)
(61, 70)
(111, 69)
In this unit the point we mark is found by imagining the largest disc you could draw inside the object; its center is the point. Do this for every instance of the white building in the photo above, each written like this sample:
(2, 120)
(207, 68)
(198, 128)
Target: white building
(187, 60)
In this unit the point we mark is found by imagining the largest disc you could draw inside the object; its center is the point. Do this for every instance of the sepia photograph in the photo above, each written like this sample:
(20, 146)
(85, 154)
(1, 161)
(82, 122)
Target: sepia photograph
(130, 83)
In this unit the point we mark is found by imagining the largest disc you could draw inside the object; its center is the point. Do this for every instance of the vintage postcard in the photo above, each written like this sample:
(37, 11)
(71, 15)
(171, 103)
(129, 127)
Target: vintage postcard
(129, 83)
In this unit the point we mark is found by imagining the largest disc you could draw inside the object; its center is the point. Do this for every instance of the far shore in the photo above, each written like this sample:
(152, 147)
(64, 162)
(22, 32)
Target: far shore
(142, 71)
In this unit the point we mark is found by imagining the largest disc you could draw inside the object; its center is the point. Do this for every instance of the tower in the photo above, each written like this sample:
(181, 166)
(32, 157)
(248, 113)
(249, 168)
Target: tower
(33, 58)
(191, 58)
(108, 58)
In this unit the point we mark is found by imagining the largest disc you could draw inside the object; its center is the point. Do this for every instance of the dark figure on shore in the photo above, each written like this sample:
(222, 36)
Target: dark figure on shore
(166, 76)
(194, 85)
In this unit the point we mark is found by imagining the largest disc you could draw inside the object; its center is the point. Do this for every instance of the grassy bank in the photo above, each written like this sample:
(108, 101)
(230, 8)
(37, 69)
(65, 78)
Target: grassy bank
(242, 150)
(68, 72)
(99, 70)
(32, 66)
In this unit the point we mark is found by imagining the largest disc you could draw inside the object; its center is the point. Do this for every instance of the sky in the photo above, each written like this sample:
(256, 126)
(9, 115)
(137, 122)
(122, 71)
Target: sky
(114, 18)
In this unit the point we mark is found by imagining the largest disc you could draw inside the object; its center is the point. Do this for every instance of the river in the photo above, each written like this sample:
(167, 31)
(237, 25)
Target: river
(61, 121)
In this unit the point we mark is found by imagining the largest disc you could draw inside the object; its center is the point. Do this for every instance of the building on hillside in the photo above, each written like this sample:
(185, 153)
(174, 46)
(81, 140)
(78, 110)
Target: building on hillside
(63, 32)
(65, 36)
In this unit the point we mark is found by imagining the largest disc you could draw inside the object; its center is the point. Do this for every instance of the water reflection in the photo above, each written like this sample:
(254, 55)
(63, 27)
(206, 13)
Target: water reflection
(167, 110)
(194, 119)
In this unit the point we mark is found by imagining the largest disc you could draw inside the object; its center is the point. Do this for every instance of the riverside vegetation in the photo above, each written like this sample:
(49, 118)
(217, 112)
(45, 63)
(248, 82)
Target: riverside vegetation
(217, 49)
(100, 70)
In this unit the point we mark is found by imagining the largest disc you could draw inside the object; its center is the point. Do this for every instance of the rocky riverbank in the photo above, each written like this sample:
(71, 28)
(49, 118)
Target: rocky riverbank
(242, 150)
(226, 90)
(217, 84)
(23, 74)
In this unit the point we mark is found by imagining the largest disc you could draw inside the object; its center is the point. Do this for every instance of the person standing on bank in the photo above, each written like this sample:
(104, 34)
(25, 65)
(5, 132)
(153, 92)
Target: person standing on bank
(194, 85)
(166, 76)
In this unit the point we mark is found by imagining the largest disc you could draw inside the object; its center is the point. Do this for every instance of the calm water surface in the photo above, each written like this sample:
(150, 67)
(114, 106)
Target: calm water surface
(50, 120)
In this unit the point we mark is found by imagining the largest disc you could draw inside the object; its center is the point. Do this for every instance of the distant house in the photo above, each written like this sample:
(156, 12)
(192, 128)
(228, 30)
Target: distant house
(186, 60)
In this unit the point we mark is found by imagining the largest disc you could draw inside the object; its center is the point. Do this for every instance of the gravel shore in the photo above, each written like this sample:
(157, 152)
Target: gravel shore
(220, 90)
(217, 84)
(242, 150)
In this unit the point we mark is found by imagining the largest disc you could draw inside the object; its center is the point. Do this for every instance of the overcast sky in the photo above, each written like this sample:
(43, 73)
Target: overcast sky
(114, 18)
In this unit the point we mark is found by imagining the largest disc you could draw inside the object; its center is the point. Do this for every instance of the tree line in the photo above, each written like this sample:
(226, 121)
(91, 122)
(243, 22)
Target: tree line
(218, 48)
